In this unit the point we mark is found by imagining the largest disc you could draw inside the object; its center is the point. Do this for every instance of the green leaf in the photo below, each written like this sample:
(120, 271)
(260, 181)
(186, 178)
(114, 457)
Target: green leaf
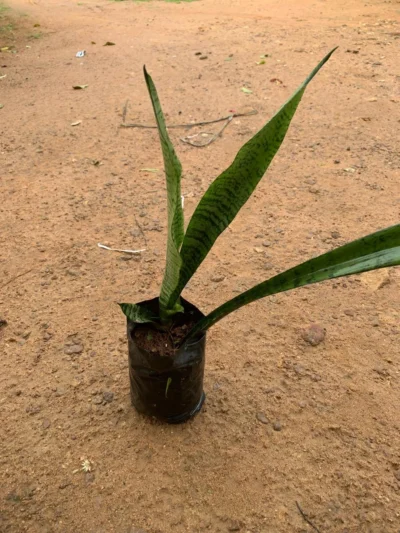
(169, 381)
(378, 250)
(231, 190)
(246, 90)
(173, 172)
(138, 314)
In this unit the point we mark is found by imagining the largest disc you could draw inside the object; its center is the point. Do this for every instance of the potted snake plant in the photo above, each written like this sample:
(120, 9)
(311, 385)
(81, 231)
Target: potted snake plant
(167, 334)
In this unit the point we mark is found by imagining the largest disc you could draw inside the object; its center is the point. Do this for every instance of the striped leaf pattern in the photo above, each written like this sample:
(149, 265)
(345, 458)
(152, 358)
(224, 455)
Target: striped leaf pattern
(173, 172)
(378, 250)
(138, 314)
(231, 190)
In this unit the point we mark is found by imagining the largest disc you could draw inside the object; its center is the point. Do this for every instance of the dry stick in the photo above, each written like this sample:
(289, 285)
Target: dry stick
(141, 231)
(306, 518)
(104, 247)
(15, 277)
(209, 141)
(205, 123)
(124, 111)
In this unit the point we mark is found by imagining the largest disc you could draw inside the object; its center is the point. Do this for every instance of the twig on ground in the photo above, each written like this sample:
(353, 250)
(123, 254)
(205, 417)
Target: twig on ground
(208, 141)
(306, 519)
(15, 277)
(141, 230)
(119, 250)
(124, 111)
(194, 124)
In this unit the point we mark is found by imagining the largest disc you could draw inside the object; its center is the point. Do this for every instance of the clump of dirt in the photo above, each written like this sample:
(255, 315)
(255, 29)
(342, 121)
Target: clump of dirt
(162, 343)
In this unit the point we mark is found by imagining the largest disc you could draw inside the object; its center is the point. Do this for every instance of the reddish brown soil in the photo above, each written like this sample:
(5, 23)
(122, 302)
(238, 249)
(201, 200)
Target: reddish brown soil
(284, 420)
(164, 343)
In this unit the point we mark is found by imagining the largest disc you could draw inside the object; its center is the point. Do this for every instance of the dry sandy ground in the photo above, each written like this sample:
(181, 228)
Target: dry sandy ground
(284, 421)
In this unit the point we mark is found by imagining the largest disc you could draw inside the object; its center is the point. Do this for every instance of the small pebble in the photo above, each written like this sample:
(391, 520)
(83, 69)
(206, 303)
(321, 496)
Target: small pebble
(74, 349)
(262, 418)
(46, 423)
(299, 369)
(314, 334)
(277, 426)
(108, 397)
(217, 279)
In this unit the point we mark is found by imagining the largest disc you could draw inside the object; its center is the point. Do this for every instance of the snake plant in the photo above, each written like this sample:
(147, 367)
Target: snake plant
(220, 204)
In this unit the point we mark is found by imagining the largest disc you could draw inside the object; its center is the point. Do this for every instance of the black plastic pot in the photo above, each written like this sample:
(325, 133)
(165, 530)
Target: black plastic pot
(168, 388)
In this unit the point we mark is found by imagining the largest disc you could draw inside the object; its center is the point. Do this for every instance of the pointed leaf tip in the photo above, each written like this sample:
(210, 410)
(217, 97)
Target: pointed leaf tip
(230, 190)
(173, 173)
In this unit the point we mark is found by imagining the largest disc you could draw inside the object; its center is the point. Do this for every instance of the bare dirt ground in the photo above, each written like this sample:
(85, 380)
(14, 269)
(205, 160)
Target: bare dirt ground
(284, 421)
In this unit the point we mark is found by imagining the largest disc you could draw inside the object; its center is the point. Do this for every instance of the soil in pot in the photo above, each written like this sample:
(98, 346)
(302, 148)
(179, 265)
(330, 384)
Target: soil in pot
(167, 382)
(159, 342)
